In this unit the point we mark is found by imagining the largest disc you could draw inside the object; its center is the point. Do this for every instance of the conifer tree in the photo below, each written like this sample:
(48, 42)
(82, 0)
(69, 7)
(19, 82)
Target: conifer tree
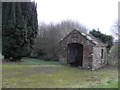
(19, 29)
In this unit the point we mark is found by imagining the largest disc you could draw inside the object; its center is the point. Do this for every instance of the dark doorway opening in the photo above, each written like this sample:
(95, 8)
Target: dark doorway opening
(75, 54)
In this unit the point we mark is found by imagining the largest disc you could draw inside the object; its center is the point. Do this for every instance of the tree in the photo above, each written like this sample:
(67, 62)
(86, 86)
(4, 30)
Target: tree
(67, 26)
(19, 29)
(46, 46)
(107, 39)
(116, 30)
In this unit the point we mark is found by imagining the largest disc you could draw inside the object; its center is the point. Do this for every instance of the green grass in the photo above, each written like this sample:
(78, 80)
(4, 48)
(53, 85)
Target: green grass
(45, 74)
(38, 62)
(109, 84)
(31, 61)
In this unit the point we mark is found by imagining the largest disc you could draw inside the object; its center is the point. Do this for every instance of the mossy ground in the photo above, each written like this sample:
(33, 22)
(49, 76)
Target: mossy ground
(54, 75)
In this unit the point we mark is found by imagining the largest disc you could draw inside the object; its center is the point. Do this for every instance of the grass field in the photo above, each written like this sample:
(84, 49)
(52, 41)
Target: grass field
(32, 73)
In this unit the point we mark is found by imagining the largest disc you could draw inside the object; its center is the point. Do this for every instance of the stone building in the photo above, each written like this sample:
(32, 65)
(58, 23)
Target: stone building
(82, 50)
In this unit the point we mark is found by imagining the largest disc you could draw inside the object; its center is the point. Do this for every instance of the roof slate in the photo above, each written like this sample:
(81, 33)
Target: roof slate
(89, 37)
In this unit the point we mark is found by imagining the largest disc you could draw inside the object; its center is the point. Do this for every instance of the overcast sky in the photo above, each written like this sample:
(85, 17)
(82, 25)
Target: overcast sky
(95, 14)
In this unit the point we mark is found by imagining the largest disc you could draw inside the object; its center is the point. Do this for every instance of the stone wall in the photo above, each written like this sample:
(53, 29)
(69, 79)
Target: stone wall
(76, 37)
(98, 61)
(91, 52)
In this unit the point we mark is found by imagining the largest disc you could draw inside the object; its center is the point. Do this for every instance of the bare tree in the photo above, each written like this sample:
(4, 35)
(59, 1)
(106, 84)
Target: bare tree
(69, 25)
(116, 29)
(46, 46)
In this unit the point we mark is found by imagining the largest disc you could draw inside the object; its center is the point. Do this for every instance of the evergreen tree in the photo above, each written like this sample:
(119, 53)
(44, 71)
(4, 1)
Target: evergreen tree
(19, 29)
(107, 39)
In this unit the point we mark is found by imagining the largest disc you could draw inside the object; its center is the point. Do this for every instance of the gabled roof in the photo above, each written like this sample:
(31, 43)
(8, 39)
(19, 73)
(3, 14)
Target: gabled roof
(89, 37)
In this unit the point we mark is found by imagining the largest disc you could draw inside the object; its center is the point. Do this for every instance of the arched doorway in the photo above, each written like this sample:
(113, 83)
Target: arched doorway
(75, 54)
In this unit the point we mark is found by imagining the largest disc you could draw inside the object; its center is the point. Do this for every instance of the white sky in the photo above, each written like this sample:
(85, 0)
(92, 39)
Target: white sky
(95, 14)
